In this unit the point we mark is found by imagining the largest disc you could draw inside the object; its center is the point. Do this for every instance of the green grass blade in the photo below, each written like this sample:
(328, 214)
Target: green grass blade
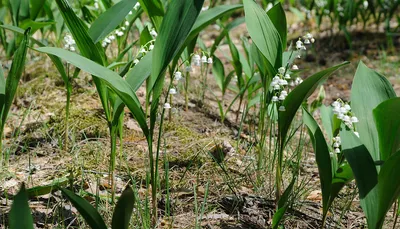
(17, 68)
(263, 33)
(88, 212)
(278, 18)
(322, 157)
(20, 213)
(46, 189)
(296, 97)
(112, 79)
(123, 210)
(110, 19)
(369, 89)
(56, 61)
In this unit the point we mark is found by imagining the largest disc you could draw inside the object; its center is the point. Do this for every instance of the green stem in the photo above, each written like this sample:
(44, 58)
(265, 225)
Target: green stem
(204, 81)
(67, 106)
(170, 110)
(1, 146)
(113, 134)
(186, 91)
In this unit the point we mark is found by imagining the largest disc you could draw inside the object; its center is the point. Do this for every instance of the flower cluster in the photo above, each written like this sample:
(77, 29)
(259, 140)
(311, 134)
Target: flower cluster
(278, 85)
(336, 144)
(96, 4)
(307, 39)
(136, 7)
(69, 43)
(343, 112)
(117, 33)
(144, 50)
(197, 60)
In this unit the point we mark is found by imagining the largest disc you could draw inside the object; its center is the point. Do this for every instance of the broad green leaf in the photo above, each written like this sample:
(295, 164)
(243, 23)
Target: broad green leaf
(155, 10)
(283, 204)
(24, 10)
(15, 6)
(235, 23)
(369, 89)
(387, 122)
(36, 7)
(179, 18)
(284, 200)
(140, 72)
(237, 65)
(88, 212)
(17, 68)
(360, 161)
(112, 79)
(20, 214)
(296, 97)
(219, 73)
(326, 118)
(123, 210)
(80, 33)
(264, 66)
(322, 157)
(263, 33)
(205, 19)
(2, 82)
(210, 16)
(388, 187)
(35, 25)
(365, 173)
(278, 18)
(86, 47)
(110, 19)
(145, 36)
(278, 216)
(342, 176)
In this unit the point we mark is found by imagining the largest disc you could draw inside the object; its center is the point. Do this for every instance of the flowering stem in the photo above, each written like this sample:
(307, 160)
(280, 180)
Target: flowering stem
(186, 91)
(170, 110)
(113, 133)
(1, 145)
(204, 73)
(67, 106)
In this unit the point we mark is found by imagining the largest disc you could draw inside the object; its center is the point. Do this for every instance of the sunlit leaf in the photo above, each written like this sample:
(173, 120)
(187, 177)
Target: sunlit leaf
(387, 121)
(87, 211)
(109, 20)
(123, 210)
(369, 89)
(20, 213)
